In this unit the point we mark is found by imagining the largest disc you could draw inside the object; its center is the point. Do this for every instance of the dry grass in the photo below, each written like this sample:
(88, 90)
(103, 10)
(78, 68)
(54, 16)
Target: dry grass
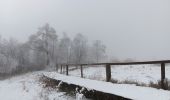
(128, 82)
(151, 84)
(158, 84)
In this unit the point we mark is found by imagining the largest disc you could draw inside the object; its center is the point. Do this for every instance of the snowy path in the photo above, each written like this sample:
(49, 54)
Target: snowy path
(28, 87)
(124, 90)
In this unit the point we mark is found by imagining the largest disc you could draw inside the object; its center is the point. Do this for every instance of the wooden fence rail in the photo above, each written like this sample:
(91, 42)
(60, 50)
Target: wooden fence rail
(108, 68)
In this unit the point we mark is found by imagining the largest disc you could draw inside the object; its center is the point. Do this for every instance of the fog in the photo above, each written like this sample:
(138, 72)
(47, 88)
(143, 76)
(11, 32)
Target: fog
(137, 29)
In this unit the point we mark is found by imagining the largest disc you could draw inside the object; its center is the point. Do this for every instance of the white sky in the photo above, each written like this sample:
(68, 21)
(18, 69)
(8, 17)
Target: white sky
(130, 28)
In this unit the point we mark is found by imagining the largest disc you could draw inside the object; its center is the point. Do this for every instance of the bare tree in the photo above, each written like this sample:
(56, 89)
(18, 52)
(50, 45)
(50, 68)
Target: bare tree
(9, 55)
(64, 49)
(44, 41)
(43, 49)
(98, 50)
(79, 49)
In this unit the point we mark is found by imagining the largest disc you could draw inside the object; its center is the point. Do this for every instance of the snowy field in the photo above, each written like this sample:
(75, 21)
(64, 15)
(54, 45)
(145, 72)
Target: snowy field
(136, 73)
(28, 87)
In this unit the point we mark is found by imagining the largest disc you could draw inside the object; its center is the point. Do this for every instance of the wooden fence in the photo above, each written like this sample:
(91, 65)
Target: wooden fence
(108, 68)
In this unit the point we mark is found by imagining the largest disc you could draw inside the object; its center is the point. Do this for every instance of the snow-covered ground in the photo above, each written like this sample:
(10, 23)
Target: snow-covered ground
(28, 87)
(137, 73)
(124, 90)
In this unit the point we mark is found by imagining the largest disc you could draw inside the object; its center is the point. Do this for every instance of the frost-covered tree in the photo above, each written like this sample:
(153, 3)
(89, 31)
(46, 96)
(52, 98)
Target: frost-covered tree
(79, 49)
(43, 49)
(44, 41)
(65, 49)
(98, 51)
(9, 52)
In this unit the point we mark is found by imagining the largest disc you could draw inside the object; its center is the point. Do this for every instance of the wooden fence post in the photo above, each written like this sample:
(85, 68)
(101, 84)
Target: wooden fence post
(81, 68)
(163, 75)
(66, 69)
(108, 73)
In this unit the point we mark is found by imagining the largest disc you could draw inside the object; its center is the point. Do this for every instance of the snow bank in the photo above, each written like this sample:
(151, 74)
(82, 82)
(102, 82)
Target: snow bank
(124, 90)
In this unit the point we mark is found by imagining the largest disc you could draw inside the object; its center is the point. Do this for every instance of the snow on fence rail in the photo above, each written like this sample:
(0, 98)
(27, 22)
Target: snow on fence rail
(108, 68)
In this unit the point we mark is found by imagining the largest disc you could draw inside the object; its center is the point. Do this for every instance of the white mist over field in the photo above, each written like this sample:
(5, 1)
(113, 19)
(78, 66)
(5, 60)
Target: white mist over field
(129, 28)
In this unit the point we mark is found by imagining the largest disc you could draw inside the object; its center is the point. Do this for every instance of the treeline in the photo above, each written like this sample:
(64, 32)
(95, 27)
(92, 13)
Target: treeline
(45, 49)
